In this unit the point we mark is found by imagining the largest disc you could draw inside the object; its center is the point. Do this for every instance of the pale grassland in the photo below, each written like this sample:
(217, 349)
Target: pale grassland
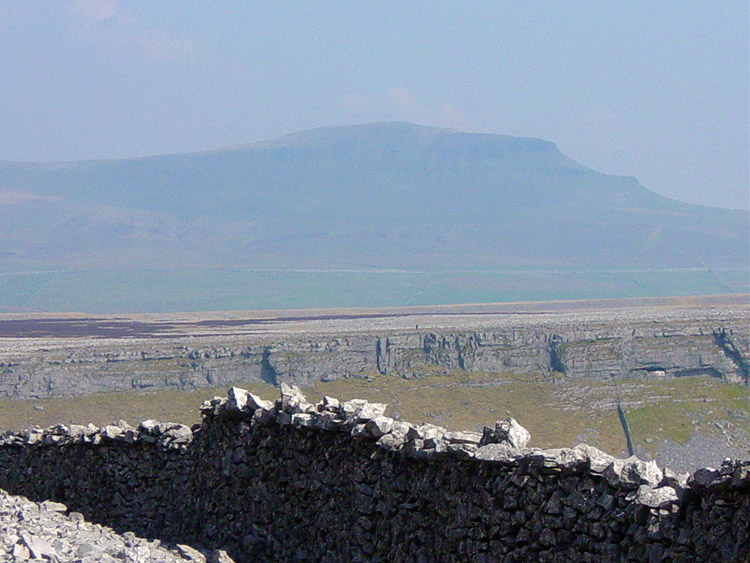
(688, 404)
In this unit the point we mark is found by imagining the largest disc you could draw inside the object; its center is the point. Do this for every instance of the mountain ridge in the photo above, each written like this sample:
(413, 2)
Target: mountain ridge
(306, 137)
(389, 195)
(284, 141)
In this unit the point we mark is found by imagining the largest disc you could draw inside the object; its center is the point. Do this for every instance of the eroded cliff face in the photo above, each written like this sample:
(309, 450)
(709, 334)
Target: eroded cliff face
(603, 351)
(609, 344)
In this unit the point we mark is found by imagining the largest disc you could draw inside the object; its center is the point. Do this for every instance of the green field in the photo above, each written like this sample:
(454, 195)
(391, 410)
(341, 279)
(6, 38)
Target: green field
(161, 291)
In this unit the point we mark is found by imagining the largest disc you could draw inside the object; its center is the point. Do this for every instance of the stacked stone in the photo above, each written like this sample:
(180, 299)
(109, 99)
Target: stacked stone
(505, 444)
(577, 501)
(124, 476)
(341, 481)
(720, 531)
(166, 435)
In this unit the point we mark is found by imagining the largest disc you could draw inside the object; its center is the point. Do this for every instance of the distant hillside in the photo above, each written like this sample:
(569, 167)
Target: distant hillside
(387, 195)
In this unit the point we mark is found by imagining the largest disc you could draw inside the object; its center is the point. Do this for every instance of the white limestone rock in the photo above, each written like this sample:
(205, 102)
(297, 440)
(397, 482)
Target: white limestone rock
(293, 401)
(378, 426)
(371, 410)
(33, 531)
(302, 420)
(220, 556)
(661, 497)
(598, 460)
(632, 472)
(499, 453)
(110, 432)
(330, 404)
(462, 437)
(394, 441)
(190, 553)
(507, 431)
(237, 400)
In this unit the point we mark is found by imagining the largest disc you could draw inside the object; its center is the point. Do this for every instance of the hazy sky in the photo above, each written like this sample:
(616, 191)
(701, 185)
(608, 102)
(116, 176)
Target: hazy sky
(656, 90)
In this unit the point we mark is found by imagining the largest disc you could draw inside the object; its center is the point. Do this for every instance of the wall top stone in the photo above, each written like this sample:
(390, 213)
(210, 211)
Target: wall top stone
(505, 444)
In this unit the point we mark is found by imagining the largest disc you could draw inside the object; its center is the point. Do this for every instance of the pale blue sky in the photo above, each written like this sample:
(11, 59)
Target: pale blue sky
(656, 90)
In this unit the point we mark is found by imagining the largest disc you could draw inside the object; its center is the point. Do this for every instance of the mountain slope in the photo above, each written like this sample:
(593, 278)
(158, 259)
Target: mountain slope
(388, 195)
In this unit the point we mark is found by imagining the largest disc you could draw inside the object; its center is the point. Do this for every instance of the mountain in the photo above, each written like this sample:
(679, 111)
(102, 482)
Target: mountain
(385, 195)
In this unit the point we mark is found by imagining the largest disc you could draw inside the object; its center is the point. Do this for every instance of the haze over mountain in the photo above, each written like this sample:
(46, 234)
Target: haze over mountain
(384, 195)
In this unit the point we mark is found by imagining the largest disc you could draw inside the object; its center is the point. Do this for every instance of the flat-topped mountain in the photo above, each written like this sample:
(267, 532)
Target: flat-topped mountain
(386, 194)
(306, 220)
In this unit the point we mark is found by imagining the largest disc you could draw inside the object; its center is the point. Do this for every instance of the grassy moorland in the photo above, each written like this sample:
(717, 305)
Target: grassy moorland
(557, 411)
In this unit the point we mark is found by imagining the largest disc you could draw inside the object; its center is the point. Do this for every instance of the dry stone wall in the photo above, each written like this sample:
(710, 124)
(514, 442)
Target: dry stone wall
(340, 481)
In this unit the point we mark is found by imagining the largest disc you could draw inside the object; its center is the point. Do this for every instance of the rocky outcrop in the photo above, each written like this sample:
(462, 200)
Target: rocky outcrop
(635, 346)
(341, 481)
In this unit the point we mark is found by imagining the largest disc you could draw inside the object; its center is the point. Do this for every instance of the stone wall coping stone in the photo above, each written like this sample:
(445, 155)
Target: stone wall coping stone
(505, 444)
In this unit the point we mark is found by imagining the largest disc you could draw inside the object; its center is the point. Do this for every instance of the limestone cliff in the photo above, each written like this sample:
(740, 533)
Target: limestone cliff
(619, 348)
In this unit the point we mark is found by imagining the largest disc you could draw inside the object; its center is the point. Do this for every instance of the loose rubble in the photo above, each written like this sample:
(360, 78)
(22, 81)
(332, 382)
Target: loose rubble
(341, 481)
(45, 531)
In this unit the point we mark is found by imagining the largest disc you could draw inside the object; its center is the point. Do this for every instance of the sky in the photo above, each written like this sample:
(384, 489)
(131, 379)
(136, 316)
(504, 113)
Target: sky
(655, 90)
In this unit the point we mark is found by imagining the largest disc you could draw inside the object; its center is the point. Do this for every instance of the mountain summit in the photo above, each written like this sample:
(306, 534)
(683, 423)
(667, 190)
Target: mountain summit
(388, 195)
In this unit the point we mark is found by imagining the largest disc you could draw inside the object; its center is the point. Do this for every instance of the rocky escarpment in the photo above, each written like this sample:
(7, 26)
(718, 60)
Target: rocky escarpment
(609, 344)
(340, 481)
(577, 352)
